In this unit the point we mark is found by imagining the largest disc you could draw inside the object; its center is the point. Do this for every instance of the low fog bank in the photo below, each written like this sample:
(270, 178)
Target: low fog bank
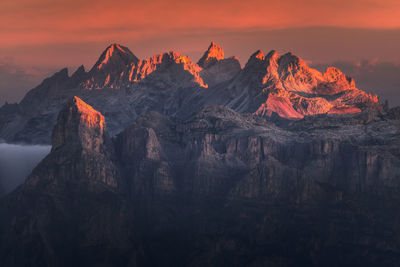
(16, 163)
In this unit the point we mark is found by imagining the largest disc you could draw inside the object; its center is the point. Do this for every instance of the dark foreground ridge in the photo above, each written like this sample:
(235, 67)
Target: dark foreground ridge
(217, 188)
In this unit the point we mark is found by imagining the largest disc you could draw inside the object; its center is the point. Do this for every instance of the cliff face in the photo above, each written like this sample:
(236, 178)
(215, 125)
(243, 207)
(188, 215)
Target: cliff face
(68, 211)
(217, 188)
(250, 158)
(81, 152)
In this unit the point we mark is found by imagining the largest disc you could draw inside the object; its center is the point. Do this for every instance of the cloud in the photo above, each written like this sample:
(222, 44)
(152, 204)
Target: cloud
(17, 162)
(375, 76)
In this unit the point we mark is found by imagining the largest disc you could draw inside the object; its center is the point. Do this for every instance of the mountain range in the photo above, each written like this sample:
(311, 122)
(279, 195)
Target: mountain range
(122, 87)
(163, 162)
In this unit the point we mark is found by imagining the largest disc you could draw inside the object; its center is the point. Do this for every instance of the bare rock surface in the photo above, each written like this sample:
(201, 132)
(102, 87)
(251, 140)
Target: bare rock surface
(215, 188)
(123, 87)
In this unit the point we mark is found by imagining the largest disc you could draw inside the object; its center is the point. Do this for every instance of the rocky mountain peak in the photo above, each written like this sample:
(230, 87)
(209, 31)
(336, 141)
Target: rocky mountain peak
(287, 86)
(170, 83)
(261, 61)
(79, 123)
(63, 73)
(213, 54)
(79, 74)
(273, 55)
(110, 67)
(291, 63)
(169, 67)
(258, 55)
(115, 55)
(333, 74)
(81, 154)
(80, 70)
(260, 68)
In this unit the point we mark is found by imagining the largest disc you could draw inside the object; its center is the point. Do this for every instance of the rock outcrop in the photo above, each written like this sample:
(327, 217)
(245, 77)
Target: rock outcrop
(226, 189)
(217, 69)
(213, 54)
(82, 151)
(68, 211)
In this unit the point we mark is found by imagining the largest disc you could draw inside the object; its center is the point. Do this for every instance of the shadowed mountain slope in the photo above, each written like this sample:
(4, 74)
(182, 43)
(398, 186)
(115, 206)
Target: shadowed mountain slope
(122, 87)
(216, 188)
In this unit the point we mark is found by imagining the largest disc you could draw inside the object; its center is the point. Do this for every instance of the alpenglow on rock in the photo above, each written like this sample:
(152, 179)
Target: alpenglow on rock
(226, 189)
(123, 87)
(213, 54)
(80, 136)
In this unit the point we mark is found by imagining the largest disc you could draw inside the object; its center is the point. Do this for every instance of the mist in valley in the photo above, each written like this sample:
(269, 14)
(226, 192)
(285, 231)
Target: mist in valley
(17, 162)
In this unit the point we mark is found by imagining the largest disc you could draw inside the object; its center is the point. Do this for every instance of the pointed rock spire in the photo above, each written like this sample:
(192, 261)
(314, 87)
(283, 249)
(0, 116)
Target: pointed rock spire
(255, 59)
(261, 68)
(259, 55)
(213, 54)
(109, 68)
(165, 66)
(115, 55)
(79, 71)
(81, 154)
(79, 74)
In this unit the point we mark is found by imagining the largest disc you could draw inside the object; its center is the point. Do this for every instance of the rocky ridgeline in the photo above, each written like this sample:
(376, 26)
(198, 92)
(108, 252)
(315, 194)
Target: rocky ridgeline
(123, 87)
(217, 188)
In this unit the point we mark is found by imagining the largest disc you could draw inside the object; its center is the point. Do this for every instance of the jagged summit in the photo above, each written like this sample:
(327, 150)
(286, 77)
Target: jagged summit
(79, 70)
(287, 86)
(289, 59)
(123, 87)
(259, 62)
(215, 68)
(213, 54)
(257, 55)
(113, 72)
(114, 55)
(171, 67)
(79, 74)
(112, 62)
(293, 74)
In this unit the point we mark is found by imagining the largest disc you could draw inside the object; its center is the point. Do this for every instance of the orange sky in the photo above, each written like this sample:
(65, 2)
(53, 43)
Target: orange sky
(42, 23)
(40, 36)
(38, 22)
